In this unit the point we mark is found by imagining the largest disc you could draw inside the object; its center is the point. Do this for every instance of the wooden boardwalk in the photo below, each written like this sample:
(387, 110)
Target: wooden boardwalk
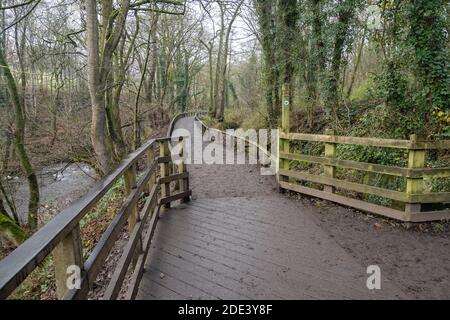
(238, 239)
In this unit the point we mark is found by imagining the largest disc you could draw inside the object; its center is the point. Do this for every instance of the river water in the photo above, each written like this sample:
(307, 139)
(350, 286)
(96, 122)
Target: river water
(59, 185)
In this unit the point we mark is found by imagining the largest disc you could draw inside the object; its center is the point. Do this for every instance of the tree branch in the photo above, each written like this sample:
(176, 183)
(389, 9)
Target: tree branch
(22, 17)
(18, 5)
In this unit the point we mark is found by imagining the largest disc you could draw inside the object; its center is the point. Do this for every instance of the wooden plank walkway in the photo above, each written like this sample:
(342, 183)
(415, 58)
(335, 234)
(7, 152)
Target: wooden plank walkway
(246, 241)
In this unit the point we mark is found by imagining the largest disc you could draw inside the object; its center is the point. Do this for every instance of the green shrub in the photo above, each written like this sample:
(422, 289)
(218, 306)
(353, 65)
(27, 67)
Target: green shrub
(233, 118)
(256, 119)
(364, 91)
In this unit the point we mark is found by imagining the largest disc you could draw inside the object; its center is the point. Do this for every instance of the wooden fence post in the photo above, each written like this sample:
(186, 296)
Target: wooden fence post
(184, 183)
(67, 253)
(164, 169)
(330, 152)
(130, 184)
(150, 160)
(284, 143)
(416, 159)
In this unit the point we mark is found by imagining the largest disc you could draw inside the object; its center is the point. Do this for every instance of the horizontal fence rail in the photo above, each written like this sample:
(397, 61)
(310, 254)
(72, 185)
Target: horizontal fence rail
(372, 142)
(413, 197)
(61, 235)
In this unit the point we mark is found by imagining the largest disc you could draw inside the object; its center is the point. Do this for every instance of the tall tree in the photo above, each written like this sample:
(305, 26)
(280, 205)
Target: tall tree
(345, 14)
(316, 55)
(223, 66)
(427, 39)
(266, 13)
(288, 15)
(99, 68)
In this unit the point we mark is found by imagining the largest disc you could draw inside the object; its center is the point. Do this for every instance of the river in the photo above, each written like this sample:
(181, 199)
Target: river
(59, 185)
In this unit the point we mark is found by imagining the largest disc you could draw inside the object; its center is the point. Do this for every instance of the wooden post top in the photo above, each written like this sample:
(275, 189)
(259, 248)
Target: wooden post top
(285, 109)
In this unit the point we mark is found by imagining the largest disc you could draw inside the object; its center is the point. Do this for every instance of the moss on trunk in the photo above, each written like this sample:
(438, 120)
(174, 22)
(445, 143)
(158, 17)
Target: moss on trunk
(19, 143)
(11, 231)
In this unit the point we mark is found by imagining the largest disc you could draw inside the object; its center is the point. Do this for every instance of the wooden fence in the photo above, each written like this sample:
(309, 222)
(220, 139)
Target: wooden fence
(61, 235)
(413, 196)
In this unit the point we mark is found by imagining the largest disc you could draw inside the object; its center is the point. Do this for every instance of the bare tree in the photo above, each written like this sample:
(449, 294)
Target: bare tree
(99, 67)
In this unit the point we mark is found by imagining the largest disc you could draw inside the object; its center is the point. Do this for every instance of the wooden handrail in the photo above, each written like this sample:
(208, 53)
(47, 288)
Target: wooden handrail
(413, 197)
(372, 142)
(371, 167)
(15, 267)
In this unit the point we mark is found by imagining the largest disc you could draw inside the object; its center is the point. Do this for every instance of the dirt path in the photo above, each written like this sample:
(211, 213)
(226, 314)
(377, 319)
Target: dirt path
(416, 259)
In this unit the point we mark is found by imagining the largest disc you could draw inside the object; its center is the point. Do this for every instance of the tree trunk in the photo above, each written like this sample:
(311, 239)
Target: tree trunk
(266, 12)
(98, 126)
(289, 16)
(151, 78)
(7, 154)
(20, 48)
(9, 202)
(358, 60)
(209, 48)
(99, 69)
(136, 121)
(224, 64)
(343, 23)
(316, 64)
(219, 61)
(19, 142)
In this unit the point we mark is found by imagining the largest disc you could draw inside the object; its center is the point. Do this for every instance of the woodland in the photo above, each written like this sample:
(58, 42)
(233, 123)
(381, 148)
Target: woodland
(88, 81)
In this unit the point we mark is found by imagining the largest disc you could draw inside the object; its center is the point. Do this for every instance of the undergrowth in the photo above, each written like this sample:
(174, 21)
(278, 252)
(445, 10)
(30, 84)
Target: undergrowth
(40, 284)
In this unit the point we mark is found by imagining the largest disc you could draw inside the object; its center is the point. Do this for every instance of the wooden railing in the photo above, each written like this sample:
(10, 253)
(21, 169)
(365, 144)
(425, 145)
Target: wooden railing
(413, 196)
(61, 235)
